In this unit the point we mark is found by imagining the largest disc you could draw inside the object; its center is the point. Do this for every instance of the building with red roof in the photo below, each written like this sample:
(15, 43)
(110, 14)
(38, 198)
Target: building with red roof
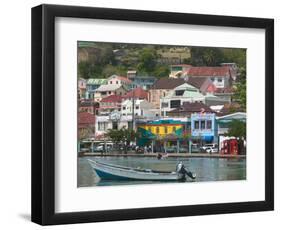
(137, 93)
(110, 104)
(221, 76)
(204, 84)
(119, 80)
(86, 125)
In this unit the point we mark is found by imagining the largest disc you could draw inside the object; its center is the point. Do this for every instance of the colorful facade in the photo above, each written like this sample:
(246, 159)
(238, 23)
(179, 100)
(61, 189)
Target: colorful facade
(162, 130)
(203, 127)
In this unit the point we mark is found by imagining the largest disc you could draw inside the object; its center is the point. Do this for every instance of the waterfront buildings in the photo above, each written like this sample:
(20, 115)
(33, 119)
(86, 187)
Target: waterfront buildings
(223, 128)
(203, 127)
(163, 134)
(192, 106)
(114, 120)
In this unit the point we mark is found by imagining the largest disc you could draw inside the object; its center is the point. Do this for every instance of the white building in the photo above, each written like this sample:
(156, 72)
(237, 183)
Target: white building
(142, 108)
(112, 121)
(176, 97)
(119, 80)
(108, 90)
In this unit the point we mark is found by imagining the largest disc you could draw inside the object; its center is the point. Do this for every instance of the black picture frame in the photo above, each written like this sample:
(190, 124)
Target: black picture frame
(43, 114)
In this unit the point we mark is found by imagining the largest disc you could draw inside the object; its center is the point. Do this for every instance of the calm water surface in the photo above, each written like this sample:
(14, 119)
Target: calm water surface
(206, 169)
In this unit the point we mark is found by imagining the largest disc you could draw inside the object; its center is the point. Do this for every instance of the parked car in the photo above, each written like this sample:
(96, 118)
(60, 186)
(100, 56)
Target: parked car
(212, 150)
(208, 146)
(98, 148)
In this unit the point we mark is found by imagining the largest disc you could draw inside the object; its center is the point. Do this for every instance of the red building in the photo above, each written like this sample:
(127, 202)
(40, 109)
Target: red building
(86, 125)
(137, 93)
(110, 104)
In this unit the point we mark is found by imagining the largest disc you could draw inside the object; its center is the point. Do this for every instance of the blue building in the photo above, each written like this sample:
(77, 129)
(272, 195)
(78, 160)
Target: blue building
(144, 82)
(203, 127)
(92, 85)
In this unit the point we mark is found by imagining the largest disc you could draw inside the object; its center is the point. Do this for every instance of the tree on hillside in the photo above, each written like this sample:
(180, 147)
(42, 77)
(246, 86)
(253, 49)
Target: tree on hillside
(85, 69)
(161, 71)
(237, 56)
(206, 56)
(147, 60)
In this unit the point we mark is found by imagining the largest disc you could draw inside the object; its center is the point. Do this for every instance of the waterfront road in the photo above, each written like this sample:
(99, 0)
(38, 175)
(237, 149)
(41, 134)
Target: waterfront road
(183, 155)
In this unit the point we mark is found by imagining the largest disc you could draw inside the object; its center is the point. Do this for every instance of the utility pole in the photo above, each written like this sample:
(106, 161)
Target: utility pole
(133, 110)
(94, 114)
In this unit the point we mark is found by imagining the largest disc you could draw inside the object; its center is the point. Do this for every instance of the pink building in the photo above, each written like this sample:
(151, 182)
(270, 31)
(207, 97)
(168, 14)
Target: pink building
(82, 84)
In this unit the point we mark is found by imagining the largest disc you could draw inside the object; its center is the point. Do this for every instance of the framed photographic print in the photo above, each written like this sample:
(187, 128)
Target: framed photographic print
(142, 114)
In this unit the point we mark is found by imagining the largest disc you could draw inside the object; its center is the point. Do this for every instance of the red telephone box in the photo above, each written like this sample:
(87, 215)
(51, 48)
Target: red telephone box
(230, 147)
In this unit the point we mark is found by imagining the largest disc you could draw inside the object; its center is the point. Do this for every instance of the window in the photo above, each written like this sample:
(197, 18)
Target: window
(124, 108)
(196, 125)
(212, 78)
(179, 92)
(165, 129)
(203, 124)
(137, 107)
(117, 82)
(175, 104)
(157, 129)
(150, 129)
(102, 126)
(114, 125)
(209, 124)
(110, 82)
(174, 129)
(219, 80)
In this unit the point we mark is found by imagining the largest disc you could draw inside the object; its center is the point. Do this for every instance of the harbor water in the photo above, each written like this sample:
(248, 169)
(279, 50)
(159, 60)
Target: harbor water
(206, 169)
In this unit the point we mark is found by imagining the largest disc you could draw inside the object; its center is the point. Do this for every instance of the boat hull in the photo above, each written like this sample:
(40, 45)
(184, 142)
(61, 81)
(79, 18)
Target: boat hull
(111, 172)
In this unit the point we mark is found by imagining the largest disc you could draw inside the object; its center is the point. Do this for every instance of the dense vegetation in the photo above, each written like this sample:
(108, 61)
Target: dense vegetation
(100, 60)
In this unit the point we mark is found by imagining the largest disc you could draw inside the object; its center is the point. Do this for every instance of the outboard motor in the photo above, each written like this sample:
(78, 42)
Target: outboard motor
(183, 172)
